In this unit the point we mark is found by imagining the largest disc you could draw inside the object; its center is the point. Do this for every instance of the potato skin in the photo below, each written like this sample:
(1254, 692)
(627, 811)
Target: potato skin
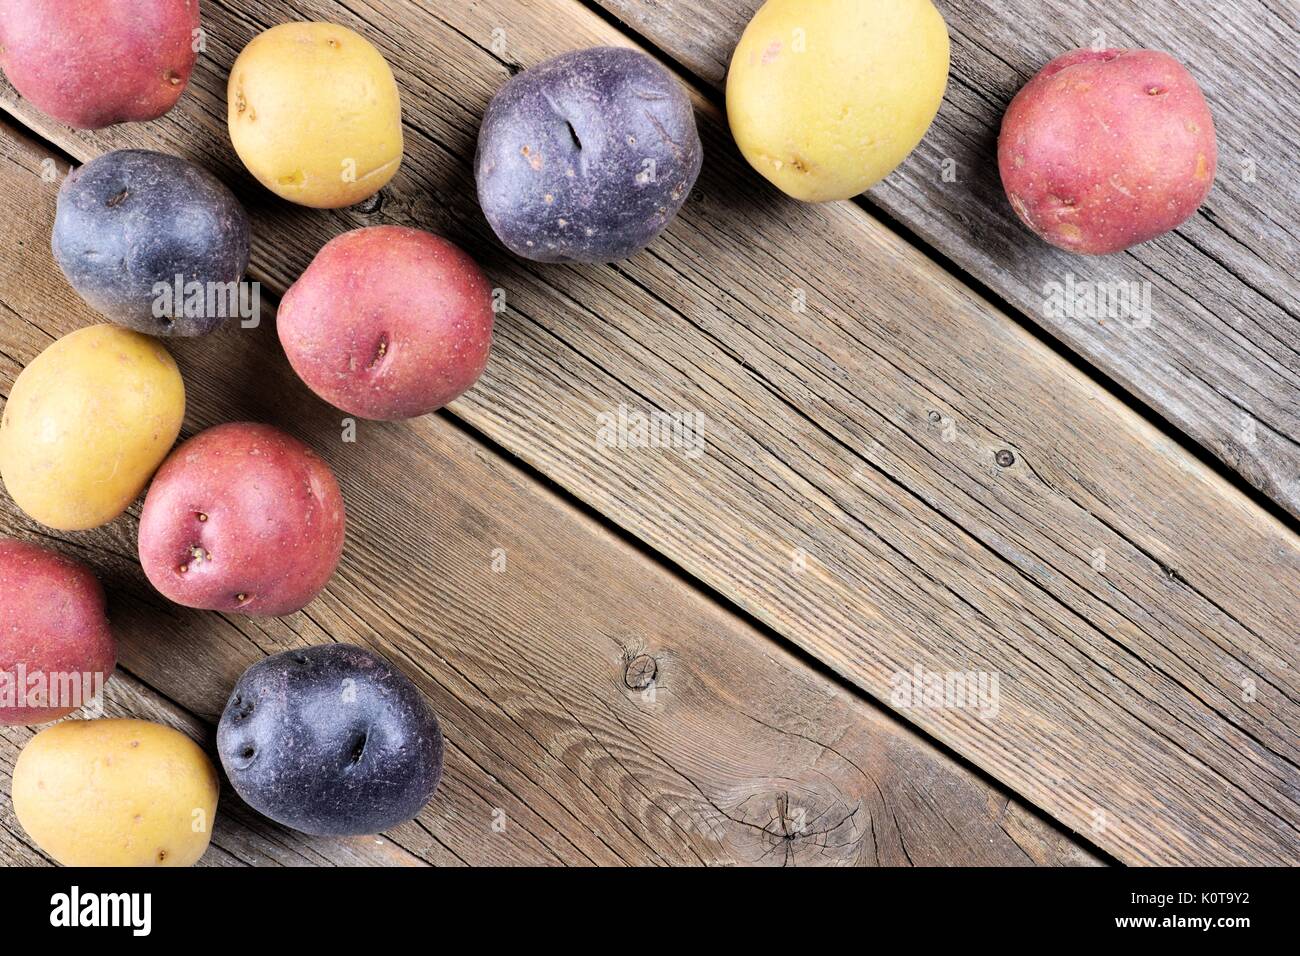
(388, 322)
(87, 423)
(1105, 149)
(52, 622)
(131, 219)
(242, 518)
(331, 740)
(587, 157)
(315, 115)
(92, 64)
(116, 793)
(826, 99)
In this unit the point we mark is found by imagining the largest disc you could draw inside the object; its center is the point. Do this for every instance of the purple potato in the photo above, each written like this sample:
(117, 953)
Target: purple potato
(331, 741)
(129, 222)
(587, 157)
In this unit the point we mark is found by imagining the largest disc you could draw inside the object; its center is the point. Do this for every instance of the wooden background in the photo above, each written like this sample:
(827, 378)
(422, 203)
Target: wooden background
(689, 660)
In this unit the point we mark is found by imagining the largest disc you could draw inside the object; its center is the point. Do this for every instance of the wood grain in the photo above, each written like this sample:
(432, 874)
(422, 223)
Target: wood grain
(1220, 357)
(598, 709)
(896, 476)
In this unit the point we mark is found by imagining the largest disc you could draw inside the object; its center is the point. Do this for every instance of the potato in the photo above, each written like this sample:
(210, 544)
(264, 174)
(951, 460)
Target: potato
(332, 741)
(242, 518)
(116, 793)
(87, 423)
(587, 157)
(388, 322)
(56, 649)
(91, 64)
(314, 114)
(1105, 149)
(826, 99)
(131, 221)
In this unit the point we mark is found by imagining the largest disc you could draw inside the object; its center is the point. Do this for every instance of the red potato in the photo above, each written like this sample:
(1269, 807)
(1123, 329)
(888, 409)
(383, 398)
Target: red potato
(91, 63)
(242, 518)
(1105, 149)
(56, 649)
(388, 322)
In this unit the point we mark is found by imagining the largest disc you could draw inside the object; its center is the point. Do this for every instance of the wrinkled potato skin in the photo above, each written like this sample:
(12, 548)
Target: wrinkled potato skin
(52, 621)
(87, 423)
(116, 793)
(826, 99)
(91, 63)
(310, 104)
(242, 518)
(1105, 149)
(388, 322)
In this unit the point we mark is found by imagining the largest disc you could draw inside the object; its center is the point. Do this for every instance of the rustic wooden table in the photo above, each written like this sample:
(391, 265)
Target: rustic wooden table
(649, 656)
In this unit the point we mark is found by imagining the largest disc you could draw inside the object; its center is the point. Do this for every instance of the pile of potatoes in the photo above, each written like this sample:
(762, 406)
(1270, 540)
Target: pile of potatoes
(584, 158)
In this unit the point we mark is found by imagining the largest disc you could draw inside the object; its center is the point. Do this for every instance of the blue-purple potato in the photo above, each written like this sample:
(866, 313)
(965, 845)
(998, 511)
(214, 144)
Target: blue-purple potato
(587, 157)
(331, 741)
(131, 221)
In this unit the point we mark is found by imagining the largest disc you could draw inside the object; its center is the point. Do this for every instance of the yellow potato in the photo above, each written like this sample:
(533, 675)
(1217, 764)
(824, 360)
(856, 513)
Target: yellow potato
(116, 793)
(87, 423)
(314, 114)
(826, 98)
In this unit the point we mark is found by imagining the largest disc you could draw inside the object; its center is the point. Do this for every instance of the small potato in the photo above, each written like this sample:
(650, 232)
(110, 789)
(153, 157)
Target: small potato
(314, 114)
(242, 518)
(56, 650)
(826, 99)
(132, 224)
(332, 741)
(87, 423)
(91, 63)
(587, 157)
(388, 322)
(116, 793)
(1105, 149)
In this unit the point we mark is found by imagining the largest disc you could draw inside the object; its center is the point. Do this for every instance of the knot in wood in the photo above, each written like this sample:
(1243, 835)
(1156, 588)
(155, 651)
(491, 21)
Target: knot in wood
(640, 672)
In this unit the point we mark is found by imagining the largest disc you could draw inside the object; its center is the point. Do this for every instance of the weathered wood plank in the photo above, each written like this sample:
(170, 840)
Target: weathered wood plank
(1220, 357)
(738, 753)
(1138, 610)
